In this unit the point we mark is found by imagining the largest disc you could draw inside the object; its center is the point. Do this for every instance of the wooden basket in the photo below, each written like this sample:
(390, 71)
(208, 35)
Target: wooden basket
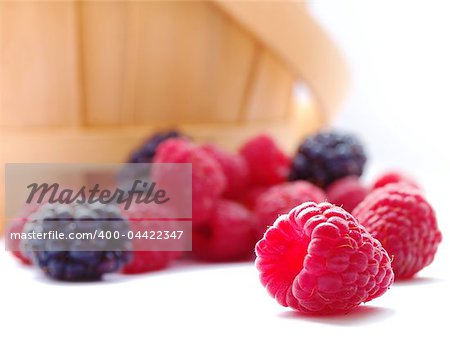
(87, 81)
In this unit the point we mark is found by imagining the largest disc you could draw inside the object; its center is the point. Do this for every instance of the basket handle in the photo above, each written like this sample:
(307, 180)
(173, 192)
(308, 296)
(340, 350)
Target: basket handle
(287, 28)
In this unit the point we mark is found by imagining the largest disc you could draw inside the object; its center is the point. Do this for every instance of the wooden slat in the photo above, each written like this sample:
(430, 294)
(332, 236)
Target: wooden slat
(270, 93)
(193, 65)
(103, 41)
(39, 79)
(164, 64)
(287, 29)
(112, 143)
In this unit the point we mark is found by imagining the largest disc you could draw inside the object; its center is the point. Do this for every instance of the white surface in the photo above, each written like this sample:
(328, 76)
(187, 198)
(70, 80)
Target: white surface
(204, 312)
(399, 104)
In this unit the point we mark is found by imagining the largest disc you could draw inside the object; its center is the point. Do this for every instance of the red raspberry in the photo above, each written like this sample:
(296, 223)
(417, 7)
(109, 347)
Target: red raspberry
(318, 259)
(249, 197)
(405, 223)
(268, 165)
(229, 235)
(393, 177)
(208, 180)
(143, 259)
(17, 227)
(280, 199)
(347, 192)
(146, 261)
(235, 169)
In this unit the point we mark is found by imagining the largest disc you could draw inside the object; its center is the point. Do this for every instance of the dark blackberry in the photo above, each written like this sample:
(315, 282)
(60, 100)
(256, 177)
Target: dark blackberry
(326, 157)
(106, 250)
(146, 152)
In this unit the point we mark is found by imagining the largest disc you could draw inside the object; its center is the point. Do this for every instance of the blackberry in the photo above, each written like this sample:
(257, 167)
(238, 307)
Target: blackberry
(146, 152)
(105, 247)
(326, 157)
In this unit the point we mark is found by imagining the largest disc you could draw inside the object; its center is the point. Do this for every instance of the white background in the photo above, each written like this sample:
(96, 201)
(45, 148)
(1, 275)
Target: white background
(400, 59)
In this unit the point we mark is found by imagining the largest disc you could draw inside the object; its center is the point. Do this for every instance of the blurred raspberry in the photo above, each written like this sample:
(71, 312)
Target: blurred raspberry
(229, 235)
(280, 199)
(267, 164)
(250, 195)
(235, 169)
(143, 155)
(405, 223)
(14, 243)
(149, 255)
(147, 261)
(208, 180)
(318, 259)
(393, 177)
(347, 192)
(16, 226)
(146, 152)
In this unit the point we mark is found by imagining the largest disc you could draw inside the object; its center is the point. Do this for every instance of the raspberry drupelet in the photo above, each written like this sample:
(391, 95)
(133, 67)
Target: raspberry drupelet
(319, 260)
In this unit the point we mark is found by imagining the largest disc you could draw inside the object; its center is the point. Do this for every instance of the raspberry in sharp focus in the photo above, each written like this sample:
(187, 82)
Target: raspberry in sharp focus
(208, 180)
(234, 168)
(405, 223)
(229, 235)
(326, 157)
(78, 259)
(392, 177)
(146, 152)
(267, 164)
(347, 192)
(318, 259)
(280, 199)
